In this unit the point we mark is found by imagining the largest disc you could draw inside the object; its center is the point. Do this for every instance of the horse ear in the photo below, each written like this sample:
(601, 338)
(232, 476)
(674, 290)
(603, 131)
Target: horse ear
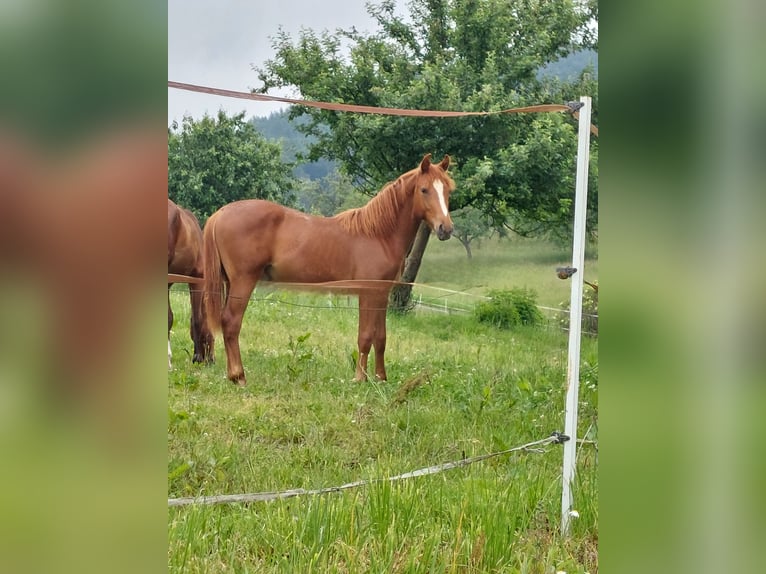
(445, 162)
(426, 163)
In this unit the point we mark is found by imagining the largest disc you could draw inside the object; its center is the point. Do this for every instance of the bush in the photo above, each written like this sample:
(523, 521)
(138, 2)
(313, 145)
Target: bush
(589, 323)
(508, 308)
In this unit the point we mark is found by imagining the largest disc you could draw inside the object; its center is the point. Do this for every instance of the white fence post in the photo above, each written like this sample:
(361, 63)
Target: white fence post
(575, 313)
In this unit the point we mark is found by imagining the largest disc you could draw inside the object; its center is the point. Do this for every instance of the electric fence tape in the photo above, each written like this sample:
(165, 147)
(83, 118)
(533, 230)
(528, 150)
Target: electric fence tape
(555, 437)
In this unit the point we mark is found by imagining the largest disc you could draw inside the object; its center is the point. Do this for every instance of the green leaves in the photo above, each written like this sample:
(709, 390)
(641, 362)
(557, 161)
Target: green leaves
(214, 161)
(299, 358)
(472, 55)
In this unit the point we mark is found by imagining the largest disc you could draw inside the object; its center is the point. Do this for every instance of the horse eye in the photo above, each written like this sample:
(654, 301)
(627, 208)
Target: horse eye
(424, 190)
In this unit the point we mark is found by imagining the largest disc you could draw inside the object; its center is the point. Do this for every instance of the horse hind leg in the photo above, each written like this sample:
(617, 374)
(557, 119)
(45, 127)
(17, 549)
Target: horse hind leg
(240, 290)
(200, 334)
(170, 313)
(170, 326)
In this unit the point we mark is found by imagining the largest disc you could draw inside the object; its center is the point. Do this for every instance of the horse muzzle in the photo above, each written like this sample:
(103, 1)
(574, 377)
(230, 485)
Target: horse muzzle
(443, 231)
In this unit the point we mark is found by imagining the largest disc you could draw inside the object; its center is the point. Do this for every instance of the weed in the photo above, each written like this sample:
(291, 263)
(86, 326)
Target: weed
(300, 357)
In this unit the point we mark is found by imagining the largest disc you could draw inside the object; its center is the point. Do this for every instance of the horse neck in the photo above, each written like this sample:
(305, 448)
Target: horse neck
(402, 224)
(388, 216)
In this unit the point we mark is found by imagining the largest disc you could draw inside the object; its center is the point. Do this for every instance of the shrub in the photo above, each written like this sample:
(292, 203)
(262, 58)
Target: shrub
(508, 308)
(589, 323)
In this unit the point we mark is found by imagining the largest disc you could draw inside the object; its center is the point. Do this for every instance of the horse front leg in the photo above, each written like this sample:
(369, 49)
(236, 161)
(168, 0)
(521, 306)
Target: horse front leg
(364, 342)
(364, 337)
(372, 333)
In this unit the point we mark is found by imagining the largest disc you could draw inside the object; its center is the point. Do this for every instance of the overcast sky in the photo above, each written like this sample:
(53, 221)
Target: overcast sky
(215, 43)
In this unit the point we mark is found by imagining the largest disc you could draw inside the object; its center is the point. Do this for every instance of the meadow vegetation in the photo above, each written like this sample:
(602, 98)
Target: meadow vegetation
(457, 388)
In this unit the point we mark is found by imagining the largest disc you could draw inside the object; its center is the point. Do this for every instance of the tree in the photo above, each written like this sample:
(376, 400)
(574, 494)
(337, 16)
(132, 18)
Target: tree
(468, 55)
(470, 224)
(214, 161)
(329, 195)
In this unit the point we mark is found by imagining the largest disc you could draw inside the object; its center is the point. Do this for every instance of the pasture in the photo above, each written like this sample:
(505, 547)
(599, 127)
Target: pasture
(457, 388)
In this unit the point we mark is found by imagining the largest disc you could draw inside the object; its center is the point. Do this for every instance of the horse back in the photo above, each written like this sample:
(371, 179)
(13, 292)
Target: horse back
(281, 244)
(184, 242)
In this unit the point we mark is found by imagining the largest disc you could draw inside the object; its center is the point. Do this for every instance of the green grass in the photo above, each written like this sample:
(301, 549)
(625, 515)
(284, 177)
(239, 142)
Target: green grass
(456, 389)
(496, 264)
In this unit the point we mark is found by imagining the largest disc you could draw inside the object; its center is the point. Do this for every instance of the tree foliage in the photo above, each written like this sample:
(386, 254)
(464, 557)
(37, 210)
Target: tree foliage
(468, 55)
(470, 225)
(214, 161)
(464, 55)
(329, 195)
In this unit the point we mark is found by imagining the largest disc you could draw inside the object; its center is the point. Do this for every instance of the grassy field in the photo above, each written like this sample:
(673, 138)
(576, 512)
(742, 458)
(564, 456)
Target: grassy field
(496, 264)
(456, 389)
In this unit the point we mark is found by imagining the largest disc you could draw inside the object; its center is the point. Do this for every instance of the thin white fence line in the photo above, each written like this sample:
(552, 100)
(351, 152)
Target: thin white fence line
(420, 302)
(555, 437)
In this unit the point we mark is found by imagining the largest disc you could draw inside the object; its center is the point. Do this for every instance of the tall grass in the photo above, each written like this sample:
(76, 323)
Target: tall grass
(456, 389)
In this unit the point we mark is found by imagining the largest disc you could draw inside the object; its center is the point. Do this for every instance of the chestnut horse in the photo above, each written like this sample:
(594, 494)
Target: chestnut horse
(185, 258)
(247, 241)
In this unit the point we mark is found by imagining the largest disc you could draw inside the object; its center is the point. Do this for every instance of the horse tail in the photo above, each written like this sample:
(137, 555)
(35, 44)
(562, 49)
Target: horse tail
(215, 286)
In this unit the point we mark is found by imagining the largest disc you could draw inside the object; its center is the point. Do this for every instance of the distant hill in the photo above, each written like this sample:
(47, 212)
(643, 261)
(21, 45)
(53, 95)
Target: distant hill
(569, 67)
(276, 126)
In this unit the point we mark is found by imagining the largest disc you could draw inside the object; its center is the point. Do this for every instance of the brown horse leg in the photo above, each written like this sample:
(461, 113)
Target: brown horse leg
(378, 305)
(170, 313)
(379, 342)
(200, 334)
(372, 333)
(364, 336)
(231, 324)
(170, 325)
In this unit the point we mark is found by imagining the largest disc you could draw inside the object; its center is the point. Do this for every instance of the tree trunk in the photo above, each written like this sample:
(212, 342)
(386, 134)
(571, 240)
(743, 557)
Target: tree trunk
(401, 295)
(467, 244)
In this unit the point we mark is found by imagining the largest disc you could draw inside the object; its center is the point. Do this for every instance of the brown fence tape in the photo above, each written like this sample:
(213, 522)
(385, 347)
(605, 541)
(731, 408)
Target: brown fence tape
(362, 109)
(175, 278)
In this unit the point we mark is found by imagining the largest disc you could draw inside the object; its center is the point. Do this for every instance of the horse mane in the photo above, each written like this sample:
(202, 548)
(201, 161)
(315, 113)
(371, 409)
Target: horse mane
(379, 215)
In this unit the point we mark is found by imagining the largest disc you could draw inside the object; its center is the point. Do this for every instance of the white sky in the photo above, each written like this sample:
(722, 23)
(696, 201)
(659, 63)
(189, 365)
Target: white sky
(214, 43)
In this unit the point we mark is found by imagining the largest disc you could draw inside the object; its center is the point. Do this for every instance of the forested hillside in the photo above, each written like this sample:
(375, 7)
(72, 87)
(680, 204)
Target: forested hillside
(567, 69)
(277, 127)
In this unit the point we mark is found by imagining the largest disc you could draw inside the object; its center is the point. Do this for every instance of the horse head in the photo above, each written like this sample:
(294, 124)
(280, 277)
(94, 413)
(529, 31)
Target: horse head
(433, 187)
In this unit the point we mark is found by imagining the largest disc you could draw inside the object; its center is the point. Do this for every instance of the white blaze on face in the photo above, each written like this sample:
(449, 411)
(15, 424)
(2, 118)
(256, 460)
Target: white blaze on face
(439, 187)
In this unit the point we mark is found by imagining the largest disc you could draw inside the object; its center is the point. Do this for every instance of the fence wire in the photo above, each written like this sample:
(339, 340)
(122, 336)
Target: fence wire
(555, 437)
(446, 302)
